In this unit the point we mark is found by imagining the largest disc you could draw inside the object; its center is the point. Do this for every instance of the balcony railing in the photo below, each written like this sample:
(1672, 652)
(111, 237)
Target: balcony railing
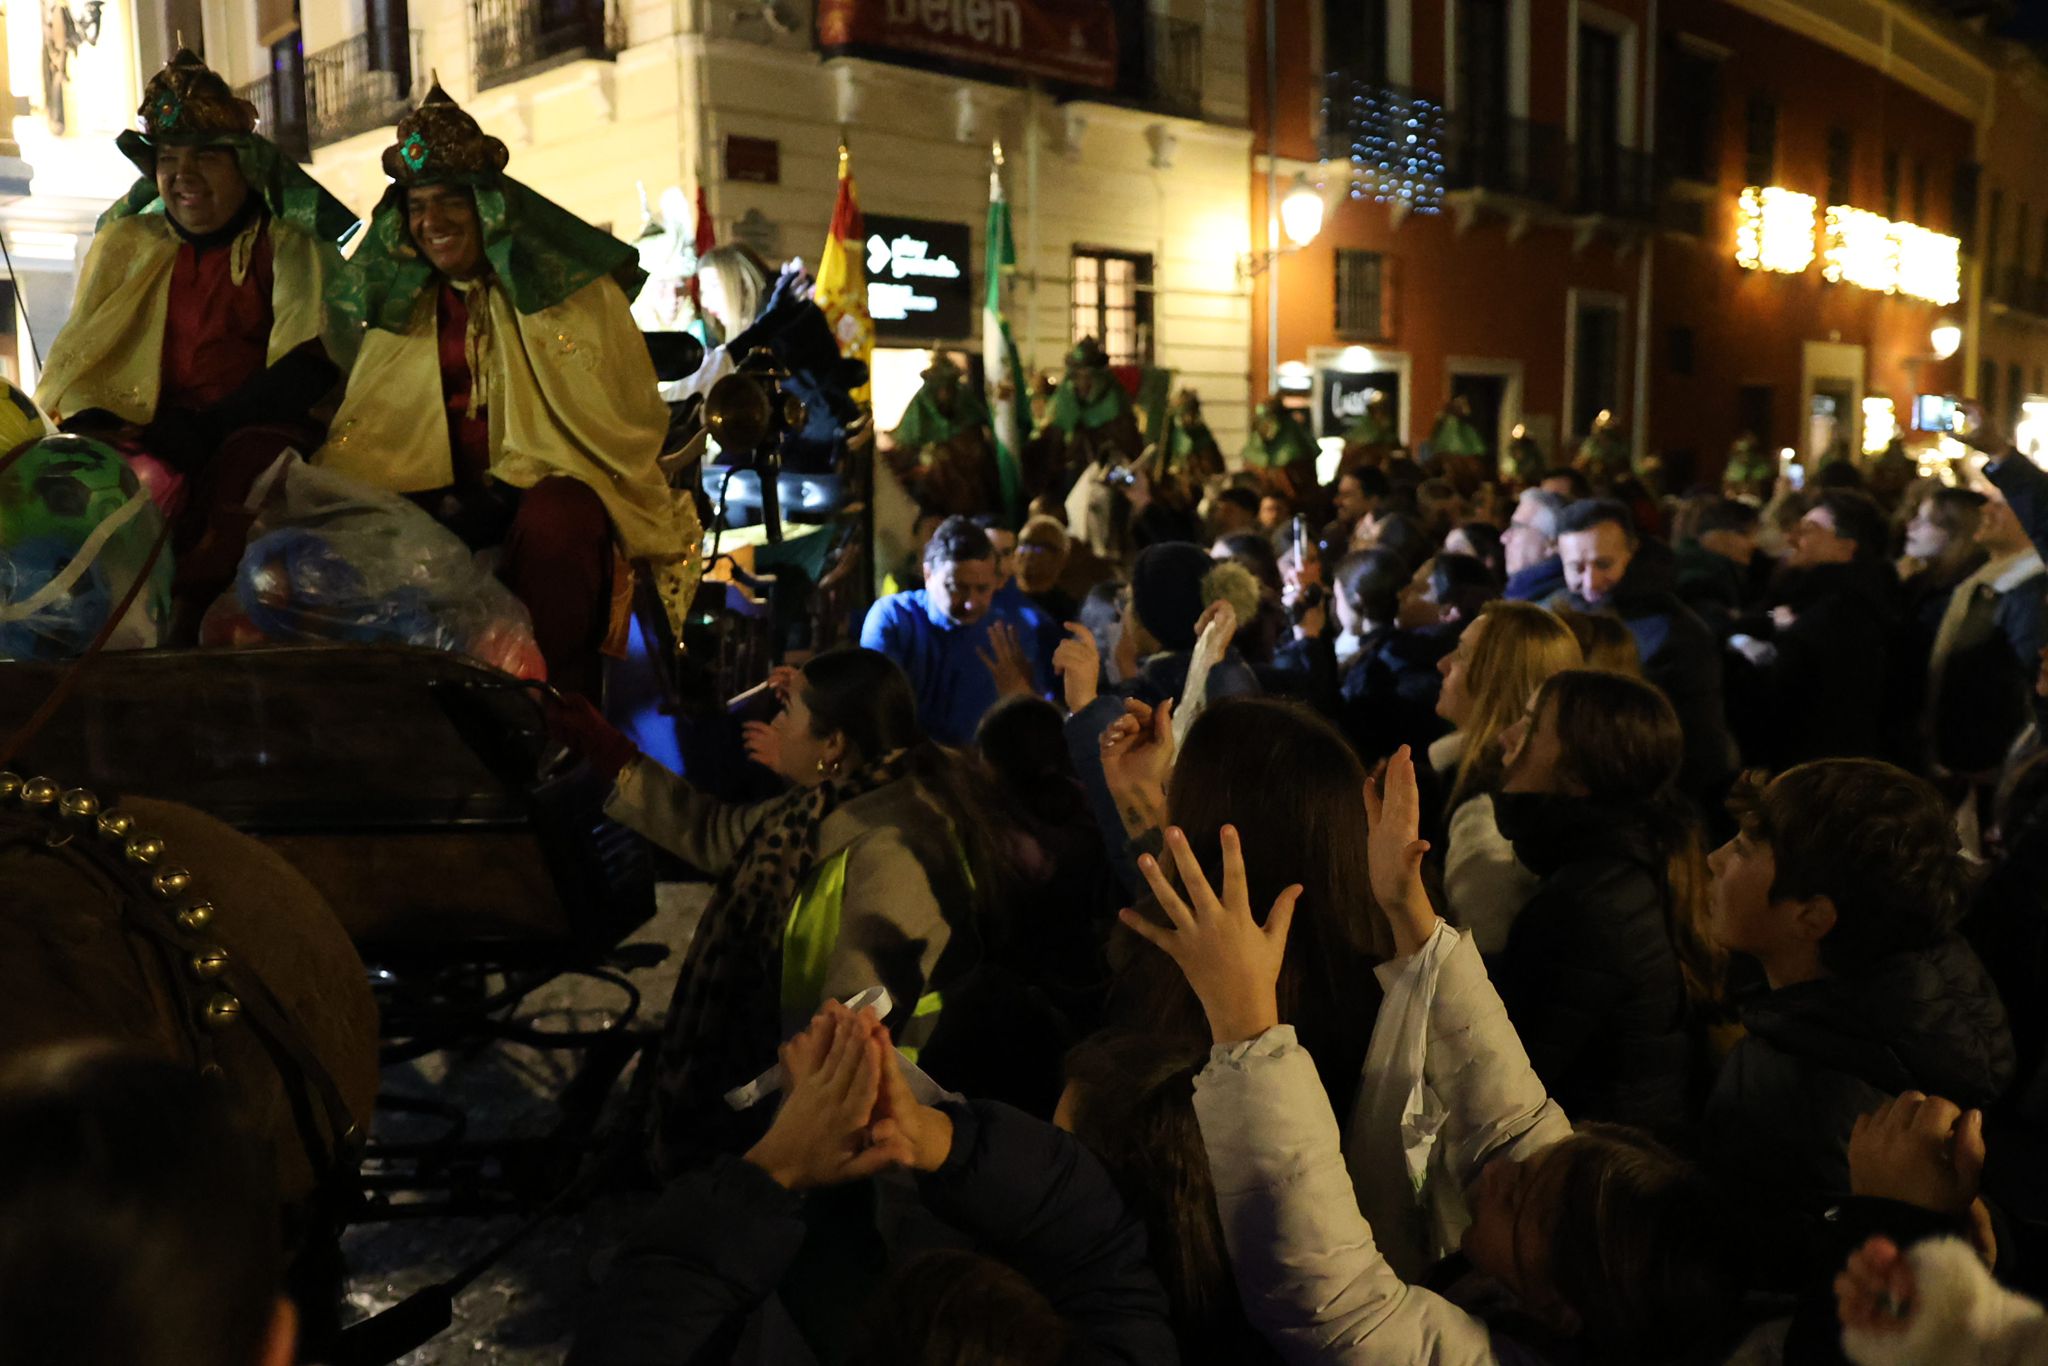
(515, 38)
(2012, 286)
(370, 81)
(282, 121)
(1505, 155)
(1174, 66)
(1613, 181)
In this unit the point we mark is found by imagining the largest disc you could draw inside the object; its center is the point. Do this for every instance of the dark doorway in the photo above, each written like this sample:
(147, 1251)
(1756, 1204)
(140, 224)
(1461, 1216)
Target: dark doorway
(1487, 396)
(1596, 364)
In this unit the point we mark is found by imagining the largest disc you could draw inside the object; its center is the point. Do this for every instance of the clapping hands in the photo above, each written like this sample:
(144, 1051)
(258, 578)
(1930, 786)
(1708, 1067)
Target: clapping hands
(847, 1112)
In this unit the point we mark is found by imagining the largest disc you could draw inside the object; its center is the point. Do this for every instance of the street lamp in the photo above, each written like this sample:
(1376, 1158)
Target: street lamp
(1301, 212)
(1946, 339)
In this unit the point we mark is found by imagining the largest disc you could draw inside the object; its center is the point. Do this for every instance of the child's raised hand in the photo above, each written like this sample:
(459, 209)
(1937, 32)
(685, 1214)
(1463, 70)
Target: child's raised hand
(1874, 1292)
(1393, 819)
(1231, 961)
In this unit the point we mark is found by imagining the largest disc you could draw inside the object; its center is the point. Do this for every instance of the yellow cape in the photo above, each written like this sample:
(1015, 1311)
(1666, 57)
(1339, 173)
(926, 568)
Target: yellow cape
(110, 354)
(568, 390)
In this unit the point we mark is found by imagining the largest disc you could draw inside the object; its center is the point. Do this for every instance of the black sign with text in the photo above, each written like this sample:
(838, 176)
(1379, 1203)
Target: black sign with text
(1346, 394)
(919, 285)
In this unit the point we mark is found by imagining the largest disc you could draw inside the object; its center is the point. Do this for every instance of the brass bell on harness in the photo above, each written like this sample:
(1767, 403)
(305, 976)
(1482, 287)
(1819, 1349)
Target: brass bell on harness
(171, 883)
(221, 1011)
(38, 794)
(10, 786)
(143, 850)
(78, 805)
(209, 963)
(116, 825)
(196, 917)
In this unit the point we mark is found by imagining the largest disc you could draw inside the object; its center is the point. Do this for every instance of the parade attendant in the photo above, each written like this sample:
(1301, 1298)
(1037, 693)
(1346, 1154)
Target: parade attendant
(1191, 448)
(1091, 423)
(1372, 438)
(1456, 443)
(509, 315)
(944, 448)
(1281, 446)
(199, 336)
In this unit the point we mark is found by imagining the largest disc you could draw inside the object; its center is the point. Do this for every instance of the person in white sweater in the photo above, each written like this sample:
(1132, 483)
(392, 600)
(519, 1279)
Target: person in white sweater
(1598, 1242)
(1501, 660)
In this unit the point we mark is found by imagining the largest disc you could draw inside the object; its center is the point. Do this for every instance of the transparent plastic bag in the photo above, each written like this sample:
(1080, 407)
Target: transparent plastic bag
(77, 527)
(331, 559)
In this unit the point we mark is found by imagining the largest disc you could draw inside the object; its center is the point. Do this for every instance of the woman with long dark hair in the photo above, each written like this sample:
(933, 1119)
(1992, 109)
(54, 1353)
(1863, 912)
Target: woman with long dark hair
(1607, 962)
(874, 869)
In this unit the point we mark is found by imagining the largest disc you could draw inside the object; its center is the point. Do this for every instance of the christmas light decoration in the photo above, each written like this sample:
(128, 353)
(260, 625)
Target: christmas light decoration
(1393, 140)
(1859, 246)
(1880, 425)
(1774, 229)
(1930, 264)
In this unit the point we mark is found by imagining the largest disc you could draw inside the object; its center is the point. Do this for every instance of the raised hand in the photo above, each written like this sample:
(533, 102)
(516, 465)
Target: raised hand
(1006, 661)
(1231, 960)
(1393, 818)
(820, 1135)
(1079, 664)
(1219, 610)
(920, 1135)
(1137, 761)
(1920, 1150)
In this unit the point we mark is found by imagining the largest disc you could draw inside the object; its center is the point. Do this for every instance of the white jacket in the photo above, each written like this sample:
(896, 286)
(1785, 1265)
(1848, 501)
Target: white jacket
(1961, 1317)
(1485, 885)
(1313, 1280)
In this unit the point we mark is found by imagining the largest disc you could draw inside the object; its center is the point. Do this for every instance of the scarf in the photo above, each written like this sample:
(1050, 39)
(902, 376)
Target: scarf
(725, 1021)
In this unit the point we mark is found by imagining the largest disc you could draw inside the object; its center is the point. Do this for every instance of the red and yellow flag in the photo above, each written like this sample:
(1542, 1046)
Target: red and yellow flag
(842, 289)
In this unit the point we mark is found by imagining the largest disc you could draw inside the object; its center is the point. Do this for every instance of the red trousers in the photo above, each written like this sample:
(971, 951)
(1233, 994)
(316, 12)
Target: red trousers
(557, 559)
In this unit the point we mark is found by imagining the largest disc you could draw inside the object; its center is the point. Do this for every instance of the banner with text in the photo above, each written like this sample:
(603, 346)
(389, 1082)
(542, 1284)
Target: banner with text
(1061, 40)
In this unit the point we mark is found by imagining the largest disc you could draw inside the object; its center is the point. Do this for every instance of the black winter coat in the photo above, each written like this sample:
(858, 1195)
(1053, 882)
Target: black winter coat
(1820, 1053)
(1682, 656)
(1824, 695)
(1590, 974)
(698, 1281)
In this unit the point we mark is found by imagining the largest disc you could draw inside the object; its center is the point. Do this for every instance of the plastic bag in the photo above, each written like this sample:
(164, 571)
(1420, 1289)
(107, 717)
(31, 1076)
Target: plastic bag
(331, 559)
(76, 530)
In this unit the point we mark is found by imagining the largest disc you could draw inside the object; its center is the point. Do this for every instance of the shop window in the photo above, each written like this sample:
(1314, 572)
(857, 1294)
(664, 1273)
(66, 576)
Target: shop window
(1361, 295)
(1760, 160)
(1112, 302)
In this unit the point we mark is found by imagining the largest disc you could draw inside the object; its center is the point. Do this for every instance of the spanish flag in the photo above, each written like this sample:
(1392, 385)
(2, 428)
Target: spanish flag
(842, 289)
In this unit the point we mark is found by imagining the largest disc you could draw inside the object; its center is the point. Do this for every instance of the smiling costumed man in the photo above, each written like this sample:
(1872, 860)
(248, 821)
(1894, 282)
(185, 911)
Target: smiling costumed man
(508, 315)
(199, 335)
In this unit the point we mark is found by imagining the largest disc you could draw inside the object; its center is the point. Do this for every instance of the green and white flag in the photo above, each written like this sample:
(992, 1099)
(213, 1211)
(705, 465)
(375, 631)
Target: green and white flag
(1002, 374)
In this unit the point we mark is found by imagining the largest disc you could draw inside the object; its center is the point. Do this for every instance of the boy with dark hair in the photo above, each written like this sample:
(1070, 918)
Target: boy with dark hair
(1714, 563)
(1843, 883)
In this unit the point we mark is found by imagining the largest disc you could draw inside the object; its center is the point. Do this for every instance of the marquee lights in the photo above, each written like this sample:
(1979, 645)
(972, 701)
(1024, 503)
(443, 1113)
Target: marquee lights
(1774, 230)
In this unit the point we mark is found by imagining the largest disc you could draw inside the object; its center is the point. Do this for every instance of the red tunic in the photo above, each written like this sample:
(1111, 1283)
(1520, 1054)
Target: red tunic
(469, 435)
(216, 333)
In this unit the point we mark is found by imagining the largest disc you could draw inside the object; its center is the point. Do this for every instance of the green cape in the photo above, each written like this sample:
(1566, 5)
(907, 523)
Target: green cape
(925, 425)
(1189, 439)
(286, 189)
(540, 252)
(1290, 445)
(1455, 436)
(1069, 414)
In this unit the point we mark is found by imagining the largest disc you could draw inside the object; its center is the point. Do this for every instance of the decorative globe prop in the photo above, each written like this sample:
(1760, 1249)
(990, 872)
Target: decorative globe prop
(76, 530)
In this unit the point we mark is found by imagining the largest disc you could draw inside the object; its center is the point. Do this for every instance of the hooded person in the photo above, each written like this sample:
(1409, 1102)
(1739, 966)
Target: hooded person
(945, 448)
(508, 315)
(201, 336)
(1191, 449)
(1281, 445)
(1090, 426)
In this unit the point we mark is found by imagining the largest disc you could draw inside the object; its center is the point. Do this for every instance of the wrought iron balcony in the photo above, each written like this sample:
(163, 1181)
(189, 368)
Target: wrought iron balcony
(283, 121)
(515, 38)
(1174, 66)
(370, 81)
(1613, 181)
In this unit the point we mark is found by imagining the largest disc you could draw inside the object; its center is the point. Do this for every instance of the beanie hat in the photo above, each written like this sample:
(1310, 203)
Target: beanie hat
(1166, 591)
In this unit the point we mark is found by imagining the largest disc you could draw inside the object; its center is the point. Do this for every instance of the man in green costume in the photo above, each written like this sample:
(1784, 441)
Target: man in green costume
(944, 449)
(503, 384)
(1371, 439)
(1191, 448)
(200, 336)
(1281, 448)
(1091, 426)
(1457, 447)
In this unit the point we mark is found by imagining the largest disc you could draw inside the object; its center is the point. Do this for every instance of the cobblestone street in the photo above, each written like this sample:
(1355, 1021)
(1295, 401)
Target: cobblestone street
(519, 1313)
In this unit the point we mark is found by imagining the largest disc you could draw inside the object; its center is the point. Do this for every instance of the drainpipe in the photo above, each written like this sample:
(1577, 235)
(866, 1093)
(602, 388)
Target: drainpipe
(1272, 198)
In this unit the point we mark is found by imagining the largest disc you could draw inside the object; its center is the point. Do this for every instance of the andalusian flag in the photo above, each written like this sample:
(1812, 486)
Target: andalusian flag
(842, 289)
(1001, 372)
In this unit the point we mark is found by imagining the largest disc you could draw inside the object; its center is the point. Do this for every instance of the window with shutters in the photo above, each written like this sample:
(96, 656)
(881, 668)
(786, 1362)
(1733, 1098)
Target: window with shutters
(1361, 295)
(1112, 302)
